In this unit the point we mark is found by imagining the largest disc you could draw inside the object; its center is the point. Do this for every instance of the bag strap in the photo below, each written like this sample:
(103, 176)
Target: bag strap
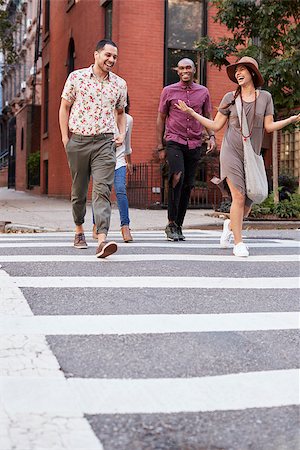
(247, 144)
(245, 128)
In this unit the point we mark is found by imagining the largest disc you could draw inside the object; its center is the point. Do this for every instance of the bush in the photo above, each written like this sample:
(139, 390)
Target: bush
(33, 169)
(225, 206)
(288, 208)
(284, 209)
(288, 184)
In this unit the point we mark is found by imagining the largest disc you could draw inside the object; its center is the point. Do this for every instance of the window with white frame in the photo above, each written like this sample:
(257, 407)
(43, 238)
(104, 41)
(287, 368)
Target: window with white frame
(290, 153)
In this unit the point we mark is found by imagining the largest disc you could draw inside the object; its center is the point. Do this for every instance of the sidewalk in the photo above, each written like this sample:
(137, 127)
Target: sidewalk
(37, 213)
(28, 212)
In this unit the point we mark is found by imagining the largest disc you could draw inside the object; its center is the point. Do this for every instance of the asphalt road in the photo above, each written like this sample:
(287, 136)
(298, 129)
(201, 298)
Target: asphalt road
(163, 346)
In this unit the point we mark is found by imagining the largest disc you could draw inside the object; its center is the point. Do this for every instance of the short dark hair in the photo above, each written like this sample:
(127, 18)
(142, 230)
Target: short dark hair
(101, 44)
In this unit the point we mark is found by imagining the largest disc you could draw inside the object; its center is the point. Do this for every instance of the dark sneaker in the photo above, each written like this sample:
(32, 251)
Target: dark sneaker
(105, 249)
(171, 232)
(181, 237)
(79, 241)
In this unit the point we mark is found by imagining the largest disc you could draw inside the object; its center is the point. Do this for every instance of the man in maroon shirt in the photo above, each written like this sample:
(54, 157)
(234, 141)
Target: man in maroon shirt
(183, 136)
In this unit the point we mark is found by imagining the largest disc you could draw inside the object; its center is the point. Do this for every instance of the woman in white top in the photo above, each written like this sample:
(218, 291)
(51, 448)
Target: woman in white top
(123, 157)
(123, 154)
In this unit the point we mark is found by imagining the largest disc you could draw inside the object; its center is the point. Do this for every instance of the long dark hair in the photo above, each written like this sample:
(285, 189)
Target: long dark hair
(236, 94)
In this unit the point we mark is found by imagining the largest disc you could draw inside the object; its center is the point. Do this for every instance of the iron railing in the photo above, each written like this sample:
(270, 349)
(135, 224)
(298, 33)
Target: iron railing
(147, 188)
(3, 158)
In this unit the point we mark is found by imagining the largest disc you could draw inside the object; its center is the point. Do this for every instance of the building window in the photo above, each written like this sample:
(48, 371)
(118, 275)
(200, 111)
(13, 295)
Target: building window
(47, 17)
(108, 19)
(290, 153)
(185, 24)
(46, 98)
(71, 56)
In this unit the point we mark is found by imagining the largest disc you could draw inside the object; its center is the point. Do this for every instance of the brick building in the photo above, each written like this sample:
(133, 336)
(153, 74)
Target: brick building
(152, 36)
(21, 96)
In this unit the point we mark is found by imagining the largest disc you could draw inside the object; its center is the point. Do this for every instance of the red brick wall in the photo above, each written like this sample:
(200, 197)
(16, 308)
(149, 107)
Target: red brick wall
(63, 26)
(31, 141)
(217, 81)
(138, 29)
(21, 154)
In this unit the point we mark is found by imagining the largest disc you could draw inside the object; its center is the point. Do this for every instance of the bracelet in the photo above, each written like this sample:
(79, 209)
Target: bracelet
(212, 135)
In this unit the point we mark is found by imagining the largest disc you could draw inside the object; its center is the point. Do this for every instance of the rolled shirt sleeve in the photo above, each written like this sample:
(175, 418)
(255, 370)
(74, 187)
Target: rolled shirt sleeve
(163, 102)
(69, 91)
(122, 100)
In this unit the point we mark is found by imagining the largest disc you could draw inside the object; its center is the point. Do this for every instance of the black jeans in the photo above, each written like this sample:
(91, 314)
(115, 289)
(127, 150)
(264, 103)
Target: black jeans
(182, 160)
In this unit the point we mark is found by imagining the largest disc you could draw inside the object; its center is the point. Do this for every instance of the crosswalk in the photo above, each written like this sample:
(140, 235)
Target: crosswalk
(158, 332)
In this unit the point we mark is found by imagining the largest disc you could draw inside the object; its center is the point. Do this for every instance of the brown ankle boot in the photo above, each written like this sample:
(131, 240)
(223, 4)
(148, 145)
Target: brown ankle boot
(126, 233)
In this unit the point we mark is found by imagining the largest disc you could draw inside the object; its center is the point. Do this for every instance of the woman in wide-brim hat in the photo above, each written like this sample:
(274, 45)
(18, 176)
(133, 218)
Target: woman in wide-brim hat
(259, 110)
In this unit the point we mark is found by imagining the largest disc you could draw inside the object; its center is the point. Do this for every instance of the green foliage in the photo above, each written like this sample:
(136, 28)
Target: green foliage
(289, 208)
(264, 208)
(6, 35)
(225, 205)
(267, 30)
(33, 169)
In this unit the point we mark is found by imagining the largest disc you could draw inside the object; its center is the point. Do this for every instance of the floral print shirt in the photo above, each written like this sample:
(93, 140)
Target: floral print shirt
(94, 101)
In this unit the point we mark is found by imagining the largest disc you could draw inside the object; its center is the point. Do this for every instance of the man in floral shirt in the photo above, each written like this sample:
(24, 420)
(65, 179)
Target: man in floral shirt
(89, 100)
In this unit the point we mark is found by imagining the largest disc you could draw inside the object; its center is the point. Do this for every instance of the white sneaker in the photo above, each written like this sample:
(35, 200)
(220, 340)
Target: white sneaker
(240, 249)
(226, 235)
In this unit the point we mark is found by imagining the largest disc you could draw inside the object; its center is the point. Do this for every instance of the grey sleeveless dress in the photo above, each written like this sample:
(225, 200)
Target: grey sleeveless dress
(232, 151)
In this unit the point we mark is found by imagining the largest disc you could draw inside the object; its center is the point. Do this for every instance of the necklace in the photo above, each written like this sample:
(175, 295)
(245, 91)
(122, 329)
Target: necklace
(253, 118)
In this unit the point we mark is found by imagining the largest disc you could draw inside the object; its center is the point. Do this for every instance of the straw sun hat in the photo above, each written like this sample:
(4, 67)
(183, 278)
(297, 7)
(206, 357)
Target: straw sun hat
(251, 64)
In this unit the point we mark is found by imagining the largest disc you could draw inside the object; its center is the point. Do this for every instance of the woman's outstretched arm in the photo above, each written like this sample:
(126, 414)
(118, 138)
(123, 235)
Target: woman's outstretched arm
(270, 125)
(215, 125)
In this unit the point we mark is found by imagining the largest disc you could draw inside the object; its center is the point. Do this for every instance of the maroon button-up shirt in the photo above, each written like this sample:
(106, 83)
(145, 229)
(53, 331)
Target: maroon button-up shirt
(180, 126)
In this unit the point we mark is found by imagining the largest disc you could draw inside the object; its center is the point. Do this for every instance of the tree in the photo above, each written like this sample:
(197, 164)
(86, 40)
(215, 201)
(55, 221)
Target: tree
(6, 34)
(267, 30)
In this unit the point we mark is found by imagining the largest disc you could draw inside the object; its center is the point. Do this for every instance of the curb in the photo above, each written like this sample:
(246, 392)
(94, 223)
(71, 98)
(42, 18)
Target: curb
(18, 228)
(7, 227)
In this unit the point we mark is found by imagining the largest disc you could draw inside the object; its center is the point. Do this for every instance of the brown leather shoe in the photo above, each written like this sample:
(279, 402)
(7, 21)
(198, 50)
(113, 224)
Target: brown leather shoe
(105, 249)
(79, 241)
(95, 235)
(126, 233)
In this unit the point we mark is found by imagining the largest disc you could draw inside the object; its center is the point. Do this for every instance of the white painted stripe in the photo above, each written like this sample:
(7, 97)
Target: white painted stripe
(12, 301)
(148, 324)
(162, 244)
(149, 257)
(30, 358)
(159, 282)
(29, 431)
(137, 239)
(218, 393)
(70, 234)
(26, 355)
(239, 391)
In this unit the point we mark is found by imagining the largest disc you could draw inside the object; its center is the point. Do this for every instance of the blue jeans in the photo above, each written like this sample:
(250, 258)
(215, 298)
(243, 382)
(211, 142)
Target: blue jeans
(120, 189)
